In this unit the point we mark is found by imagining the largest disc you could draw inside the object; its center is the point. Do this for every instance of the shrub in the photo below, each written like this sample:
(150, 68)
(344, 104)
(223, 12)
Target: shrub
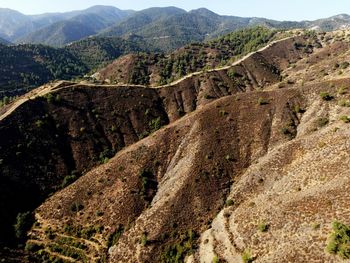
(23, 223)
(33, 247)
(263, 227)
(345, 118)
(339, 240)
(49, 98)
(106, 155)
(76, 207)
(68, 180)
(143, 240)
(326, 96)
(342, 91)
(344, 103)
(344, 65)
(262, 101)
(39, 123)
(216, 259)
(229, 202)
(321, 122)
(155, 124)
(148, 185)
(184, 246)
(223, 113)
(114, 237)
(99, 213)
(49, 233)
(247, 256)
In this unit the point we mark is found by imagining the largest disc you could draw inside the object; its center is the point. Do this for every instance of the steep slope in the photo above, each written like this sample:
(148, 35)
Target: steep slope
(158, 69)
(156, 197)
(63, 131)
(110, 119)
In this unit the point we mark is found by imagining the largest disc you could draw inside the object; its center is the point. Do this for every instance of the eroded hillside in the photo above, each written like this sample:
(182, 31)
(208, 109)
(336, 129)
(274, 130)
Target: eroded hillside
(219, 166)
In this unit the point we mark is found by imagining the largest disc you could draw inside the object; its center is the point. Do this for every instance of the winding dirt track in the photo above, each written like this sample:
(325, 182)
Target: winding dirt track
(47, 88)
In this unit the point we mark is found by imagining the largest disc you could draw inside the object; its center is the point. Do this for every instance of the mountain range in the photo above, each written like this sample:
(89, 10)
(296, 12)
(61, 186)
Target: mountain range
(166, 28)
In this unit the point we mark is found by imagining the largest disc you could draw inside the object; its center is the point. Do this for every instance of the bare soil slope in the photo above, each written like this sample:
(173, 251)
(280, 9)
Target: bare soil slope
(239, 151)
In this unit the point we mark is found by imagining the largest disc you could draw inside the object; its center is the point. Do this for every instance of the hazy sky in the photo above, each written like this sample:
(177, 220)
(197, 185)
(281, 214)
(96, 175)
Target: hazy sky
(275, 9)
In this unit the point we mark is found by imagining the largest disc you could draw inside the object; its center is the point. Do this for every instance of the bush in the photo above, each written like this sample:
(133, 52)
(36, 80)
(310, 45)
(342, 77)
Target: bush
(114, 237)
(247, 256)
(339, 240)
(144, 240)
(76, 207)
(216, 259)
(326, 96)
(23, 223)
(155, 124)
(184, 246)
(342, 90)
(229, 202)
(262, 101)
(345, 119)
(263, 227)
(344, 103)
(321, 122)
(68, 180)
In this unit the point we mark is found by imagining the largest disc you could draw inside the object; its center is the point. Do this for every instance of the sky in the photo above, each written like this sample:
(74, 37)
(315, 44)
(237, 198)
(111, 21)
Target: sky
(274, 9)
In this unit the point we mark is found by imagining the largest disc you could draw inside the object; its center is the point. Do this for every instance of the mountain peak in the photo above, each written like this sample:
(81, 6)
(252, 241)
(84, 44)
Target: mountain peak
(342, 16)
(203, 11)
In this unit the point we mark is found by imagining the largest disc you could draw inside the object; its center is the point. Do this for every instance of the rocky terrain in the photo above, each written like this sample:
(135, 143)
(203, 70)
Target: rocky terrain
(244, 163)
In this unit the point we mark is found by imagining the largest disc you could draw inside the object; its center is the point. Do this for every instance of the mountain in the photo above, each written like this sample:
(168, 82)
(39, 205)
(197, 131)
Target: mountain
(87, 23)
(241, 163)
(341, 21)
(4, 42)
(165, 29)
(24, 67)
(14, 26)
(169, 28)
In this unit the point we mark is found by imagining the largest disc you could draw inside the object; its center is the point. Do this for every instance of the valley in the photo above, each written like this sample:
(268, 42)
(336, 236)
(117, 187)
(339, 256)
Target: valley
(221, 164)
(150, 134)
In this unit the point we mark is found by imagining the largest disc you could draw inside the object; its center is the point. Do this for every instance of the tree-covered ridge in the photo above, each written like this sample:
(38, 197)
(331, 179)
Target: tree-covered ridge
(96, 51)
(24, 67)
(199, 56)
(191, 58)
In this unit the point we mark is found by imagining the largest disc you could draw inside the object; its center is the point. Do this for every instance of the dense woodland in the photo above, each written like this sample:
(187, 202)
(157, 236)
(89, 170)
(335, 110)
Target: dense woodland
(24, 67)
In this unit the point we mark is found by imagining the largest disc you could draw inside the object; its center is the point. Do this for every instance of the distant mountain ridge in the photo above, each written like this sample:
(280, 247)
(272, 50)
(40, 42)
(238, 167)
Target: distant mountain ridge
(4, 42)
(166, 28)
(176, 27)
(15, 26)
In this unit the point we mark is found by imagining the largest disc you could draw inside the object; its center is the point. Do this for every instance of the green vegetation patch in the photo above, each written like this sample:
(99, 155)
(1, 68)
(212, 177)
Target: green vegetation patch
(184, 246)
(247, 256)
(23, 223)
(339, 240)
(326, 96)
